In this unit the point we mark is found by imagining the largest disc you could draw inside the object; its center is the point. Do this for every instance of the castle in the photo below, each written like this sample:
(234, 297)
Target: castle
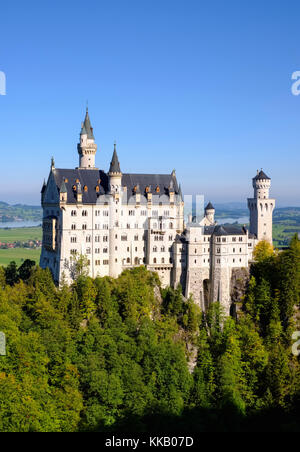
(121, 220)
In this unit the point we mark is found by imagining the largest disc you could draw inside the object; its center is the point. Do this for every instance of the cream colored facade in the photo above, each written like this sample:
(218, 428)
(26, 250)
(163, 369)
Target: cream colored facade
(119, 221)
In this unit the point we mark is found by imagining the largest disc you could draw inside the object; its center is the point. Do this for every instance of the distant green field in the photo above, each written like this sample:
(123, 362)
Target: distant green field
(19, 255)
(20, 234)
(282, 233)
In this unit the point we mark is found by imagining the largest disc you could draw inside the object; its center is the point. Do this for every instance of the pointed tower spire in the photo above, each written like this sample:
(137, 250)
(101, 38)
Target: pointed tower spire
(180, 193)
(171, 186)
(44, 187)
(87, 147)
(86, 128)
(114, 164)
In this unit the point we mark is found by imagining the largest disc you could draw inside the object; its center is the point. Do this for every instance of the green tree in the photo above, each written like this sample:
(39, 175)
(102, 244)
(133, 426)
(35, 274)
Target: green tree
(11, 273)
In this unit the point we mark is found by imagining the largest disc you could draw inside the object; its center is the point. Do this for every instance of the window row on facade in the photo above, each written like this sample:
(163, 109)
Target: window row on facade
(233, 239)
(131, 213)
(225, 250)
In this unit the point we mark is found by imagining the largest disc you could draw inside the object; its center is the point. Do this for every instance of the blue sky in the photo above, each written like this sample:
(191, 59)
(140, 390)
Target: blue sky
(202, 87)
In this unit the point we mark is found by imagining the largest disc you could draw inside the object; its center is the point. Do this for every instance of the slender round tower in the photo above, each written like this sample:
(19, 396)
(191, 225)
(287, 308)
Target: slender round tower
(115, 190)
(261, 208)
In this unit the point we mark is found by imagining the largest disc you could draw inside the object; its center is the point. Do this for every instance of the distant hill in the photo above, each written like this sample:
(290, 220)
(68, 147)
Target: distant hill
(19, 212)
(237, 210)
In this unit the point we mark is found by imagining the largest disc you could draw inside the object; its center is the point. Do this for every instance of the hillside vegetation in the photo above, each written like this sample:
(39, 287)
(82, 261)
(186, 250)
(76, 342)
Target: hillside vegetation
(124, 355)
(19, 212)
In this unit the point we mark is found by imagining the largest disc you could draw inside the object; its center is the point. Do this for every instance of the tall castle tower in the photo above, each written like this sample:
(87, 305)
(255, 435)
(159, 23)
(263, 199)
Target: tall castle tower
(87, 147)
(261, 208)
(115, 190)
(115, 174)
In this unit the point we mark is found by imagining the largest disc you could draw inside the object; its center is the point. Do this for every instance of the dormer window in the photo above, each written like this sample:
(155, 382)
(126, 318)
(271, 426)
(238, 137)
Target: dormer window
(157, 189)
(85, 188)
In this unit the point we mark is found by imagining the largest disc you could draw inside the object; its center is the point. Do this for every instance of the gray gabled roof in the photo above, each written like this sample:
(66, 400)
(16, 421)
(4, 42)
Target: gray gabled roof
(157, 184)
(90, 179)
(87, 178)
(229, 230)
(208, 230)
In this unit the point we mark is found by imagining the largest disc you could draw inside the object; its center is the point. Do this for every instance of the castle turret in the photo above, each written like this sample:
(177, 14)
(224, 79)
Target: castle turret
(261, 208)
(87, 147)
(210, 213)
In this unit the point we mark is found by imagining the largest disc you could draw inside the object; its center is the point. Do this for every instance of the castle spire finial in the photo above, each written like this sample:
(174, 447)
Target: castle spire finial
(114, 164)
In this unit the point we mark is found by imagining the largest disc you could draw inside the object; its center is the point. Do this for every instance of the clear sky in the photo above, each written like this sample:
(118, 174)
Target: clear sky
(203, 87)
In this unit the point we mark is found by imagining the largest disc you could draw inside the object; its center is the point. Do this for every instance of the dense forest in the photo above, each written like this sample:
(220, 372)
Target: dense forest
(113, 355)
